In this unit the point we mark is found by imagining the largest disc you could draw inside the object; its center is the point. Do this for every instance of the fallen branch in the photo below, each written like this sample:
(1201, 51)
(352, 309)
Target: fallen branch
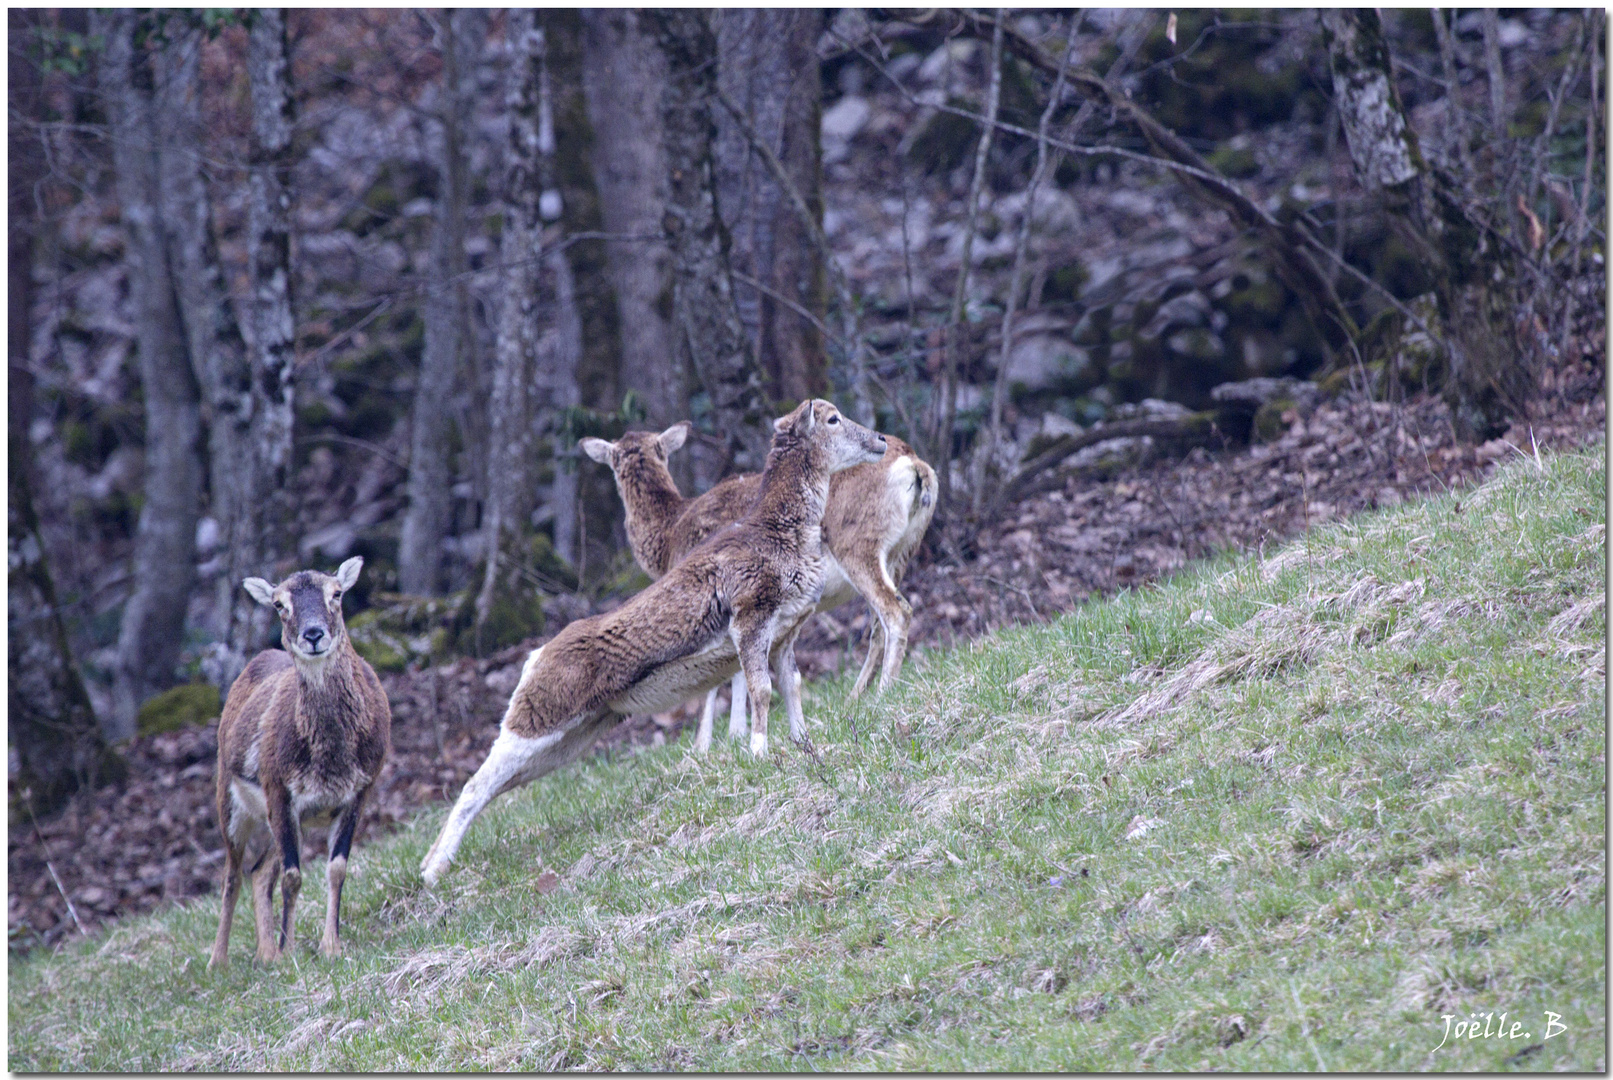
(1197, 428)
(51, 866)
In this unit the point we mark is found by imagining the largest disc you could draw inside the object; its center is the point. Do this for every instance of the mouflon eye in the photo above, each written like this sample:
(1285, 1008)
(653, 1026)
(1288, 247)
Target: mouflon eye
(834, 419)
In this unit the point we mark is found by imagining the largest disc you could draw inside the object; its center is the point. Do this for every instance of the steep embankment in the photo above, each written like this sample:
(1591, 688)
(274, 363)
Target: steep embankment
(1279, 814)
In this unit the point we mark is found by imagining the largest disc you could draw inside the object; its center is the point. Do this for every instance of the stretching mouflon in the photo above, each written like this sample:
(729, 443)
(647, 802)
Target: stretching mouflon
(737, 601)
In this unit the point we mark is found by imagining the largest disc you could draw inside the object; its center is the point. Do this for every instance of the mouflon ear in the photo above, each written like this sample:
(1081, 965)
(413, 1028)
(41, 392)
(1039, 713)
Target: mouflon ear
(674, 437)
(800, 419)
(598, 449)
(347, 573)
(260, 590)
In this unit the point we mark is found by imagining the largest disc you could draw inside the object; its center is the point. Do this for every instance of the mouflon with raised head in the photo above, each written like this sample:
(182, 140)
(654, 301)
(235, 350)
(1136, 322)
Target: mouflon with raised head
(874, 519)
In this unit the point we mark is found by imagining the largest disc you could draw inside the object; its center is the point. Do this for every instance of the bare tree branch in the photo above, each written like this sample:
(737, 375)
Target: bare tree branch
(1017, 279)
(949, 371)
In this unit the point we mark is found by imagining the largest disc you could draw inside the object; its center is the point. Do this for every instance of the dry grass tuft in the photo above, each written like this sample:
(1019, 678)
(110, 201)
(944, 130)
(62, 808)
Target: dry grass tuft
(427, 976)
(1570, 620)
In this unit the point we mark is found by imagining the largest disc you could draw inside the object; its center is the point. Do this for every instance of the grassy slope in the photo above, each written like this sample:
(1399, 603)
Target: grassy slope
(1277, 815)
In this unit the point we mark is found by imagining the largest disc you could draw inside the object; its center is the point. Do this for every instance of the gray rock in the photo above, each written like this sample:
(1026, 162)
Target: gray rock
(844, 119)
(1041, 362)
(1259, 391)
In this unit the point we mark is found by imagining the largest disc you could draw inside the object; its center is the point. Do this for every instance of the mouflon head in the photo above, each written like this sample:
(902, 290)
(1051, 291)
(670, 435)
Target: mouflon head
(844, 441)
(309, 604)
(637, 451)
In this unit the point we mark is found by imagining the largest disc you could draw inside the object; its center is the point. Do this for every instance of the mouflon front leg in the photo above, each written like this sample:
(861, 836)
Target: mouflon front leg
(341, 842)
(286, 832)
(232, 893)
(512, 761)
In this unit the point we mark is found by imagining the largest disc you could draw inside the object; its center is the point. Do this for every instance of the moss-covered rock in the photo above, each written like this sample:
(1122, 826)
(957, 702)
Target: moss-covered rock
(1270, 422)
(186, 705)
(383, 646)
(1064, 284)
(511, 619)
(400, 631)
(1238, 162)
(1238, 77)
(1391, 342)
(1254, 302)
(1334, 382)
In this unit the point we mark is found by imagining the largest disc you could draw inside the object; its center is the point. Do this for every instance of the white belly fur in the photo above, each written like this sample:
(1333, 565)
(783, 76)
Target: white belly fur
(249, 806)
(677, 681)
(837, 588)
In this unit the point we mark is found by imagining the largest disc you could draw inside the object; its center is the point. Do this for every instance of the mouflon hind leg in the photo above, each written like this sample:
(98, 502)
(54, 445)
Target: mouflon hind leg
(232, 893)
(512, 761)
(736, 706)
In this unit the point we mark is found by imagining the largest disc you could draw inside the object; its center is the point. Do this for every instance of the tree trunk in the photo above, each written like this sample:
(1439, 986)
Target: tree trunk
(1474, 279)
(52, 726)
(272, 351)
(955, 329)
(427, 519)
(217, 348)
(624, 77)
(707, 327)
(510, 412)
(153, 623)
(769, 69)
(558, 354)
(599, 383)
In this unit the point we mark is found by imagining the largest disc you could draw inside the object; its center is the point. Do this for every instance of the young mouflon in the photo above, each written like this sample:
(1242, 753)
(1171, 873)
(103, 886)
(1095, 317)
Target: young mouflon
(737, 600)
(303, 736)
(874, 519)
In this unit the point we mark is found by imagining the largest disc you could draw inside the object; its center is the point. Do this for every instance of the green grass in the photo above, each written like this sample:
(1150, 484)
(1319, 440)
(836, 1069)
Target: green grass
(1280, 815)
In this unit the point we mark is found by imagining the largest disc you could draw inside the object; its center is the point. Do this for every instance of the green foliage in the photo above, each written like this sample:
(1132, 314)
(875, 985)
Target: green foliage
(68, 52)
(1272, 815)
(186, 705)
(159, 29)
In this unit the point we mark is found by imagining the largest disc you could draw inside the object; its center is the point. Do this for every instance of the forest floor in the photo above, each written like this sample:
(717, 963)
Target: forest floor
(152, 840)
